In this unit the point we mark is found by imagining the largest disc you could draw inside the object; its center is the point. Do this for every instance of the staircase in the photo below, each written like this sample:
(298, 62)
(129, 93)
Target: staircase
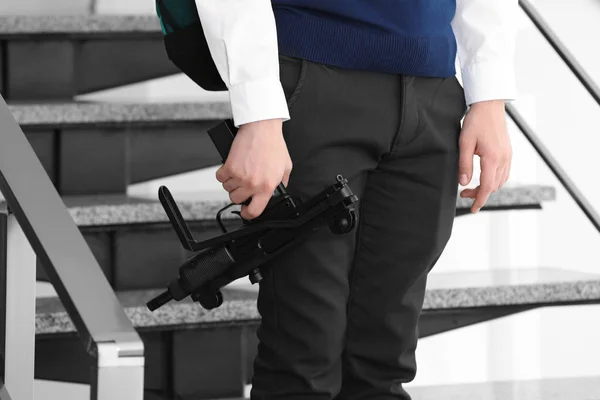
(92, 151)
(58, 57)
(198, 354)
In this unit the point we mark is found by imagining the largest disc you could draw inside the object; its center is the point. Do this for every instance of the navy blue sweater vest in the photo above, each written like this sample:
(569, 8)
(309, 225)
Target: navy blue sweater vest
(409, 37)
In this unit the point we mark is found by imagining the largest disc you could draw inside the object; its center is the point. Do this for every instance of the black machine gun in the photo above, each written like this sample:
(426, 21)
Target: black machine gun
(220, 260)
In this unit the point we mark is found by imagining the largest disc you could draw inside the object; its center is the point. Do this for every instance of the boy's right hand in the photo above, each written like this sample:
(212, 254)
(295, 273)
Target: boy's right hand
(257, 163)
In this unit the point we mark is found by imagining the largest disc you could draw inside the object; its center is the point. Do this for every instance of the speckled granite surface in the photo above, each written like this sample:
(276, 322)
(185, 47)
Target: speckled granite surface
(120, 210)
(445, 291)
(509, 287)
(585, 388)
(78, 24)
(140, 213)
(81, 113)
(240, 306)
(515, 195)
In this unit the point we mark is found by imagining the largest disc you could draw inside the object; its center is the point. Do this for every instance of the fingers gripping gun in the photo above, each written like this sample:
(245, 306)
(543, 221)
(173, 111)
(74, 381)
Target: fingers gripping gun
(286, 220)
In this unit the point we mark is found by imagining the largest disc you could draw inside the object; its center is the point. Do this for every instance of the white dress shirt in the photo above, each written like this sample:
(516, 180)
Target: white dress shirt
(242, 39)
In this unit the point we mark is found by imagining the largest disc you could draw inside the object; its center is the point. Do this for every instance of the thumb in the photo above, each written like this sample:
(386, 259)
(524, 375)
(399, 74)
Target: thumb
(465, 162)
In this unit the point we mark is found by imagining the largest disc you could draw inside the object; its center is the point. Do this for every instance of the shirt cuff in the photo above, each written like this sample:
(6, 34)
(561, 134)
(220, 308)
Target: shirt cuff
(257, 101)
(489, 80)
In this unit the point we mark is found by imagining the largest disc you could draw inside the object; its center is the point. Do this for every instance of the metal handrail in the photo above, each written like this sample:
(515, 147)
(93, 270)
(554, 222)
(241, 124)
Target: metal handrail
(83, 289)
(554, 166)
(591, 87)
(562, 51)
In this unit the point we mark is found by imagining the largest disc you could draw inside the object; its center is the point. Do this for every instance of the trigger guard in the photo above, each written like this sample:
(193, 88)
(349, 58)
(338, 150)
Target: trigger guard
(352, 221)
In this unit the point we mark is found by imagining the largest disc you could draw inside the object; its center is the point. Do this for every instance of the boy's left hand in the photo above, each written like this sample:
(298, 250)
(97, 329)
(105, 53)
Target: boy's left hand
(484, 133)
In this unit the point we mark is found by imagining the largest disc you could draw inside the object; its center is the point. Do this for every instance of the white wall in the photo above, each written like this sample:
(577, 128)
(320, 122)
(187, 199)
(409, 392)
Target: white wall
(570, 122)
(553, 342)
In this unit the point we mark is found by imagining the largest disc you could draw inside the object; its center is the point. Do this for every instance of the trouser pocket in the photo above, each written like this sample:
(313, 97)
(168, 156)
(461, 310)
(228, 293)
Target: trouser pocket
(292, 73)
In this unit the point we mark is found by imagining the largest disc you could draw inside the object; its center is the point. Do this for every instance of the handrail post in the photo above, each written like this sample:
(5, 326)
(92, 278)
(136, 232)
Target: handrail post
(17, 284)
(3, 392)
(118, 364)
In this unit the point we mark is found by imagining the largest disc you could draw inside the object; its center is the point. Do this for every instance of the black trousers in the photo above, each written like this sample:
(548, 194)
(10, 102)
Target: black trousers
(339, 313)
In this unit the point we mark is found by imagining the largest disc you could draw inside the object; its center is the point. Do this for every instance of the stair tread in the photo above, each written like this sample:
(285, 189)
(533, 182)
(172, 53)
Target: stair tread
(92, 113)
(122, 209)
(15, 25)
(515, 195)
(107, 210)
(576, 388)
(456, 290)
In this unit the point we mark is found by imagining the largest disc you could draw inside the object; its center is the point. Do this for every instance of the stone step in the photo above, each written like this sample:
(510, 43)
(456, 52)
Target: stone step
(208, 354)
(91, 148)
(106, 210)
(577, 388)
(455, 291)
(58, 57)
(132, 239)
(136, 247)
(85, 26)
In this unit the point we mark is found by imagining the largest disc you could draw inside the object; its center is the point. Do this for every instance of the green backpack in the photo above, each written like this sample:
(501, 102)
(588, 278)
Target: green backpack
(186, 44)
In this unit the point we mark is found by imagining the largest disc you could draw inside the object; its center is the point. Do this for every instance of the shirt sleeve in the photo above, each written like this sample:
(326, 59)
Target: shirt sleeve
(485, 32)
(242, 38)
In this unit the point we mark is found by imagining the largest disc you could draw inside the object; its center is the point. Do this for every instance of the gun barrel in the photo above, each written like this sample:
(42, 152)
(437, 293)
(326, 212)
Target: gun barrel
(159, 301)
